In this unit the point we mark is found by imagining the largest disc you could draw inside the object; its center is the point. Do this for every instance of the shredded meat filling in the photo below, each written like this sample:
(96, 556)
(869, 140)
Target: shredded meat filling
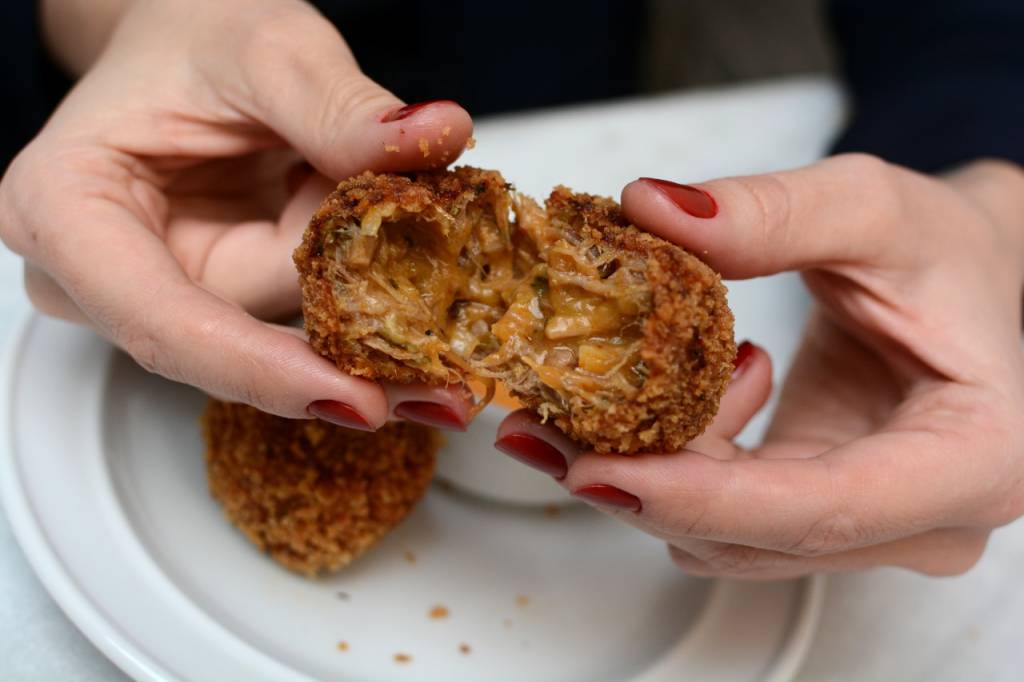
(495, 291)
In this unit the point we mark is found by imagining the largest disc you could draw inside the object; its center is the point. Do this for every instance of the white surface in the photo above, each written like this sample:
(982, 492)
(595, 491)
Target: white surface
(880, 625)
(111, 507)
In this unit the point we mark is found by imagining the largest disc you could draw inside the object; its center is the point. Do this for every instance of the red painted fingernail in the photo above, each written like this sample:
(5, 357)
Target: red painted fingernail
(431, 414)
(743, 355)
(693, 200)
(534, 452)
(339, 413)
(410, 109)
(606, 495)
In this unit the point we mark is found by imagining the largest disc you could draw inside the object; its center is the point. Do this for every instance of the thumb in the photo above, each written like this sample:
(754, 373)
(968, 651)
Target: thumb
(304, 84)
(841, 211)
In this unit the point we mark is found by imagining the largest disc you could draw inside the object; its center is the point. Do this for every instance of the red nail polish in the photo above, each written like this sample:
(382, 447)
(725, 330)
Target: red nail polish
(693, 200)
(339, 413)
(431, 414)
(744, 352)
(606, 495)
(410, 109)
(534, 452)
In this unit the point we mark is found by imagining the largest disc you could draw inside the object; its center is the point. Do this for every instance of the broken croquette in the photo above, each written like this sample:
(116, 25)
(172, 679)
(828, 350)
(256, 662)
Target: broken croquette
(621, 339)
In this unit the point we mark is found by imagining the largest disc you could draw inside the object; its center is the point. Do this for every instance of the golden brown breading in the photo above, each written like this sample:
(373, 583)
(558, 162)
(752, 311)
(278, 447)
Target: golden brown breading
(313, 495)
(620, 338)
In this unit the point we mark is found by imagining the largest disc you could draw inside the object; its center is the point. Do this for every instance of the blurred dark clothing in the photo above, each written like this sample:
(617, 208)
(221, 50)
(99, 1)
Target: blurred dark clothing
(32, 83)
(933, 82)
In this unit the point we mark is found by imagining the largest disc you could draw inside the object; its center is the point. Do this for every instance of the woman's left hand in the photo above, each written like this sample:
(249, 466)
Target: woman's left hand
(899, 436)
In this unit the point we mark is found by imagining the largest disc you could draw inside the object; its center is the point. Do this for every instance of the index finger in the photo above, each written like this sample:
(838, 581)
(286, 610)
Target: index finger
(838, 211)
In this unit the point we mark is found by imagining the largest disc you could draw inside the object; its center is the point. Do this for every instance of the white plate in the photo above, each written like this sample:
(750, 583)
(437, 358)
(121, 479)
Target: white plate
(104, 485)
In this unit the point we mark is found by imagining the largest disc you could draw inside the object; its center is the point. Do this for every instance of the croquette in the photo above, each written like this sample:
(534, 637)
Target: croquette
(313, 495)
(620, 338)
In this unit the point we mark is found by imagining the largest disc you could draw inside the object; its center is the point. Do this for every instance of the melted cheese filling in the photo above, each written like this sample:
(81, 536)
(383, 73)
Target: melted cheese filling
(528, 302)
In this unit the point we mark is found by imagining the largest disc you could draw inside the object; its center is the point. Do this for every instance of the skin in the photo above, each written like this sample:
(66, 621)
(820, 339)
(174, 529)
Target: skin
(161, 202)
(163, 217)
(899, 435)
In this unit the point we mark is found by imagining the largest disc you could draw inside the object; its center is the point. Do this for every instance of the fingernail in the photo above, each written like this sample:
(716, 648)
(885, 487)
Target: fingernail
(410, 109)
(534, 452)
(744, 352)
(693, 200)
(339, 413)
(605, 495)
(431, 414)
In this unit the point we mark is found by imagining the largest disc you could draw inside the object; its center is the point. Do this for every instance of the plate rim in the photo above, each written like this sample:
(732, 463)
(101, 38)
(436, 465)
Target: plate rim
(88, 617)
(55, 577)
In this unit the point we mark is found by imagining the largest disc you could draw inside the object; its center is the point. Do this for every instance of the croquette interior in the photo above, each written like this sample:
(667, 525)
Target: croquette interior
(452, 277)
(461, 292)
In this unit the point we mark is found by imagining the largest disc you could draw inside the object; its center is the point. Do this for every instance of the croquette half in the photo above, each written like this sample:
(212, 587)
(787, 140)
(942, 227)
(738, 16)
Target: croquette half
(313, 495)
(622, 339)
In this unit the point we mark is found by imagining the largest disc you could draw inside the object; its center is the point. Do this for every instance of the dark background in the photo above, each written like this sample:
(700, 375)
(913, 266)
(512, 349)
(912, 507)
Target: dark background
(933, 83)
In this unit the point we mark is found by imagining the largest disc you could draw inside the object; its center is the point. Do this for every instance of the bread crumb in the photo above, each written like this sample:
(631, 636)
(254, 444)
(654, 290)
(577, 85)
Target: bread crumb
(402, 659)
(393, 148)
(470, 143)
(507, 622)
(522, 600)
(425, 147)
(446, 132)
(343, 596)
(410, 557)
(552, 511)
(342, 645)
(464, 649)
(439, 612)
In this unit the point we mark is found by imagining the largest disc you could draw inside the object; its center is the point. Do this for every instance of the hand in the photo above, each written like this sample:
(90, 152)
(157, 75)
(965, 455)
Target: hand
(899, 436)
(161, 203)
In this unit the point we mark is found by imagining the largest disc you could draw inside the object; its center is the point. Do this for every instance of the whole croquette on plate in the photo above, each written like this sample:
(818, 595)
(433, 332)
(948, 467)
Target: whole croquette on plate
(313, 495)
(622, 339)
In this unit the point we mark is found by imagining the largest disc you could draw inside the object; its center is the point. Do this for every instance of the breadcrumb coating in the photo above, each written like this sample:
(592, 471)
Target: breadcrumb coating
(313, 495)
(620, 338)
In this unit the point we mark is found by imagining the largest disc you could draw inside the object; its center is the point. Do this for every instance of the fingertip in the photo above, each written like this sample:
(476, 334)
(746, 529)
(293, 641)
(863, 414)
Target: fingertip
(686, 215)
(525, 422)
(438, 406)
(427, 135)
(320, 381)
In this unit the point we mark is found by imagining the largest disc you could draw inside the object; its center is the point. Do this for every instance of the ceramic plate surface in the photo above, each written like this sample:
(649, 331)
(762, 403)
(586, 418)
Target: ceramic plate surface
(104, 484)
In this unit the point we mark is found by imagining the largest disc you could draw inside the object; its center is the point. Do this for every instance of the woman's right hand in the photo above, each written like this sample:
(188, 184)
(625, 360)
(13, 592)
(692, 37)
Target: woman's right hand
(161, 203)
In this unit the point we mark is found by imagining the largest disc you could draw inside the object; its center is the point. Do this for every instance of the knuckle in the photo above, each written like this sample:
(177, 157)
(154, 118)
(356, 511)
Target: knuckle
(41, 293)
(690, 564)
(736, 560)
(772, 207)
(834, 533)
(278, 31)
(12, 229)
(878, 182)
(961, 559)
(348, 96)
(143, 347)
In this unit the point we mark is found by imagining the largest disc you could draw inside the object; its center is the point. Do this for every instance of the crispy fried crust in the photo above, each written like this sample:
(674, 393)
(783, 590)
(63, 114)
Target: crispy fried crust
(687, 347)
(325, 321)
(688, 344)
(313, 495)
